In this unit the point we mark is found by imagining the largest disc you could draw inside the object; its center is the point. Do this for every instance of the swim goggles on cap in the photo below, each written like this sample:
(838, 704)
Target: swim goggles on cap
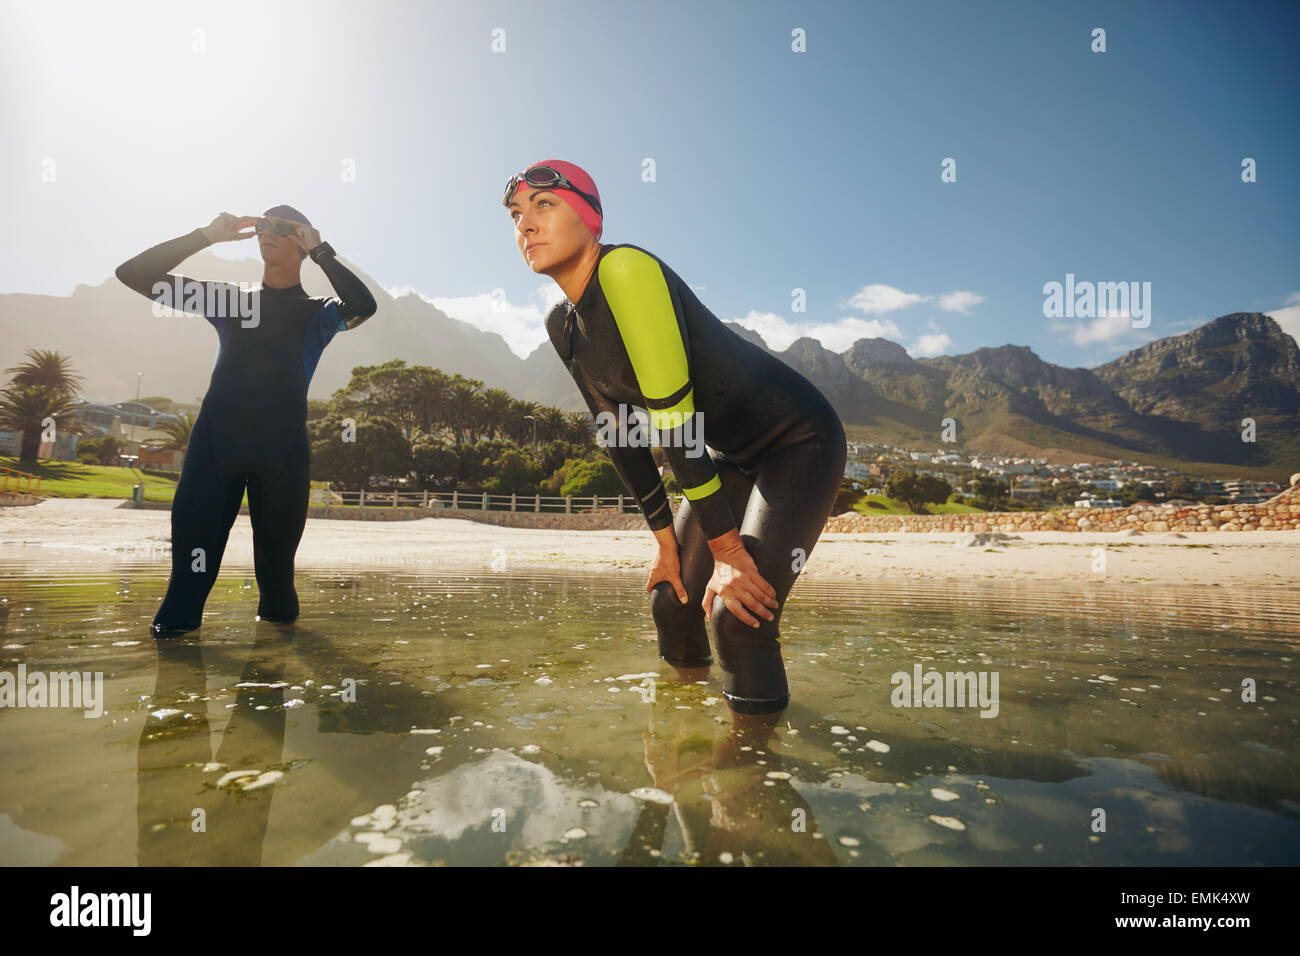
(545, 177)
(283, 228)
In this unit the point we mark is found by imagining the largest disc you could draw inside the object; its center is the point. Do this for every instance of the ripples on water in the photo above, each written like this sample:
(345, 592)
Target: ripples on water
(507, 717)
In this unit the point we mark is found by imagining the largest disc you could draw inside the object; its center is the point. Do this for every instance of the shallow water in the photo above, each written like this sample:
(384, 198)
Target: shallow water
(507, 718)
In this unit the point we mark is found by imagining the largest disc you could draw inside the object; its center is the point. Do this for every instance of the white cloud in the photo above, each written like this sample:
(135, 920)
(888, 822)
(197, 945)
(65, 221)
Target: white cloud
(959, 301)
(522, 326)
(1104, 328)
(932, 344)
(876, 299)
(1288, 316)
(778, 332)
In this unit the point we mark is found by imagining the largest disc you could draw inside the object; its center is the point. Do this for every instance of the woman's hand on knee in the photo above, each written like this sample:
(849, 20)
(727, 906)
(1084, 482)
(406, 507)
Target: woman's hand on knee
(665, 565)
(736, 580)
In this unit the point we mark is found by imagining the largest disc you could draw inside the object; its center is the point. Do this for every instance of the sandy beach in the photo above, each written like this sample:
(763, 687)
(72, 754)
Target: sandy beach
(89, 532)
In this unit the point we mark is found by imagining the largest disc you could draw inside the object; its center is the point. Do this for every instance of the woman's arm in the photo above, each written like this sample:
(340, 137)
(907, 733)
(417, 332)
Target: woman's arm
(654, 337)
(640, 475)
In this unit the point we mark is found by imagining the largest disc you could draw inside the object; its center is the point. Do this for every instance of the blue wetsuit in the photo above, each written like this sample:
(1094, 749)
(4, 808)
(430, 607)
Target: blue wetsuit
(638, 336)
(251, 430)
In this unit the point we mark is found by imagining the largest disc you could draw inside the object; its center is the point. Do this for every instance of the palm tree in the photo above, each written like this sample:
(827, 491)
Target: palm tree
(465, 399)
(25, 408)
(431, 400)
(577, 430)
(496, 409)
(178, 433)
(520, 428)
(46, 369)
(554, 422)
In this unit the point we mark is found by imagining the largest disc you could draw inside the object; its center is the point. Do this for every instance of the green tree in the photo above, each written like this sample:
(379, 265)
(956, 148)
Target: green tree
(989, 493)
(27, 408)
(1134, 491)
(99, 451)
(846, 497)
(592, 478)
(496, 406)
(417, 397)
(915, 491)
(554, 454)
(520, 425)
(436, 466)
(379, 449)
(516, 472)
(553, 423)
(478, 461)
(465, 415)
(576, 427)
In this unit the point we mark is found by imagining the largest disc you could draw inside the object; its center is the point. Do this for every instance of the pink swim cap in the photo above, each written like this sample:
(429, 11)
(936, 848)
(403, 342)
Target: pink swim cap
(578, 176)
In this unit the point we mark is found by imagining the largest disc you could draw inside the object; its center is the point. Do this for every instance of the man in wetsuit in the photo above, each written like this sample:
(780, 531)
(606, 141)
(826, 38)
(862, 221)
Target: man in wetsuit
(632, 333)
(252, 428)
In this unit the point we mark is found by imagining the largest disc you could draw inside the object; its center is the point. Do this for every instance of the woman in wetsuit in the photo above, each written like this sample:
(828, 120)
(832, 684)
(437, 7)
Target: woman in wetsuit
(632, 333)
(252, 428)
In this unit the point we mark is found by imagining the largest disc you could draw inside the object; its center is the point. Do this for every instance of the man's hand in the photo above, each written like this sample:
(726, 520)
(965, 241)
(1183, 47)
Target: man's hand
(736, 580)
(307, 237)
(226, 228)
(666, 565)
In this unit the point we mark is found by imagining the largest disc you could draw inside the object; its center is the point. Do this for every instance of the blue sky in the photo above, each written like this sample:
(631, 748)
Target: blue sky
(774, 170)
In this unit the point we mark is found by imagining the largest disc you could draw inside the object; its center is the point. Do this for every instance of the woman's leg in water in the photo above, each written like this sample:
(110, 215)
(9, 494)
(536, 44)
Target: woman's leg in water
(277, 508)
(683, 637)
(794, 491)
(781, 519)
(204, 507)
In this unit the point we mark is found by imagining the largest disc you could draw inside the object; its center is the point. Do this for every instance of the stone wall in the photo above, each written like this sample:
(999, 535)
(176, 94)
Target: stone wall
(1280, 513)
(18, 498)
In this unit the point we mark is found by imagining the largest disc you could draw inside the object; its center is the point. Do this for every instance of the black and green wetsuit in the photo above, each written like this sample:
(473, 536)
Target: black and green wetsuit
(252, 428)
(638, 336)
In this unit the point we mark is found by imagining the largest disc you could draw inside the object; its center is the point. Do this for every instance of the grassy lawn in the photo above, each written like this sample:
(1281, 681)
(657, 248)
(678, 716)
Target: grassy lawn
(72, 479)
(884, 505)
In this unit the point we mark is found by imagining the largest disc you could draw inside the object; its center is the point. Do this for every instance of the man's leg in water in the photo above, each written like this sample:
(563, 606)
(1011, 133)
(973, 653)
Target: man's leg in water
(204, 507)
(683, 638)
(794, 490)
(277, 506)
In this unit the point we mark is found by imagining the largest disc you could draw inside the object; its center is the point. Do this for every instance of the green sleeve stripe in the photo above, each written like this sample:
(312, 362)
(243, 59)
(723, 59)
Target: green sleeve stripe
(674, 416)
(638, 298)
(704, 490)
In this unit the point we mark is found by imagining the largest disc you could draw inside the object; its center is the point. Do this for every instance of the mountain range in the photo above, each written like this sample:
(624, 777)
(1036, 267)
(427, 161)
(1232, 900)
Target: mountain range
(1175, 402)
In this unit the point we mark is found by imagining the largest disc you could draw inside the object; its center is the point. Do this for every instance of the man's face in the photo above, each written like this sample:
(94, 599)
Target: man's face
(277, 249)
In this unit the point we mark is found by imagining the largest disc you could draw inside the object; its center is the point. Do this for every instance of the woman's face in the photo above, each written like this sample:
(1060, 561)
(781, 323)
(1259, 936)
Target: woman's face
(547, 230)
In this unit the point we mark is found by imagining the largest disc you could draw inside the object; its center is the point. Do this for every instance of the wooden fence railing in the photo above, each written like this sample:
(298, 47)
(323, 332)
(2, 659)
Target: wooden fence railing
(478, 501)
